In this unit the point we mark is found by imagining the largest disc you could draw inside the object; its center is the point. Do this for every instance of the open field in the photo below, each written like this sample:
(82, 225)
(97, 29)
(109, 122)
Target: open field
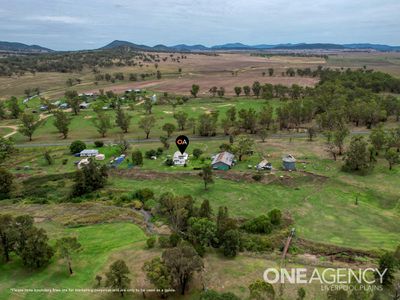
(205, 70)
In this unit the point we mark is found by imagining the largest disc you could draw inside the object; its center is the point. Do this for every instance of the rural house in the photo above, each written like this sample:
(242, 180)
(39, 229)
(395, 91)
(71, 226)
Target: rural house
(88, 153)
(222, 161)
(180, 159)
(289, 162)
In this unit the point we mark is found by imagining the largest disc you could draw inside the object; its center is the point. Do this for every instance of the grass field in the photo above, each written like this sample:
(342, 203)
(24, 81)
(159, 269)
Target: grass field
(98, 243)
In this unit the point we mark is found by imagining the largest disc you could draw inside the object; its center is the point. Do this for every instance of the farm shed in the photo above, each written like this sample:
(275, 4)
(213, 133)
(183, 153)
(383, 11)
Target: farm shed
(222, 161)
(264, 165)
(180, 159)
(88, 153)
(289, 162)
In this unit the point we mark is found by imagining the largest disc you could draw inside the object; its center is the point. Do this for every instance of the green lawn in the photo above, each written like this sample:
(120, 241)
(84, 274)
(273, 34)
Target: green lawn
(98, 243)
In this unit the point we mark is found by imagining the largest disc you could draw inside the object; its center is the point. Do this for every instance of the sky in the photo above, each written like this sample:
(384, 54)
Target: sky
(89, 24)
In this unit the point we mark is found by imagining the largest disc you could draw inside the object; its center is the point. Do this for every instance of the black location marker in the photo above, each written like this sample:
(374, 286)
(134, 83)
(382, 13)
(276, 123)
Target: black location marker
(182, 142)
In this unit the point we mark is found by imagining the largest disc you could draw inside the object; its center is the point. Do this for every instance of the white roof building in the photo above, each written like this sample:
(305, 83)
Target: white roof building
(180, 159)
(88, 153)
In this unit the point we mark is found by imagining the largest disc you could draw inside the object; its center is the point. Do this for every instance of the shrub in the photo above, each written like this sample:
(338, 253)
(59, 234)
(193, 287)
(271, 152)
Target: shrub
(143, 194)
(151, 241)
(163, 241)
(197, 152)
(174, 239)
(275, 216)
(137, 204)
(261, 224)
(64, 161)
(169, 162)
(137, 158)
(6, 180)
(77, 146)
(48, 158)
(159, 151)
(149, 204)
(150, 153)
(99, 144)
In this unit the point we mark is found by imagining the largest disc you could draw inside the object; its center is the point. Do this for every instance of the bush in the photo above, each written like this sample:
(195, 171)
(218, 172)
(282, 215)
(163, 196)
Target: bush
(169, 162)
(150, 153)
(77, 146)
(99, 144)
(275, 216)
(151, 241)
(197, 152)
(143, 194)
(137, 158)
(256, 243)
(174, 239)
(159, 151)
(64, 161)
(261, 224)
(6, 180)
(149, 204)
(137, 204)
(163, 241)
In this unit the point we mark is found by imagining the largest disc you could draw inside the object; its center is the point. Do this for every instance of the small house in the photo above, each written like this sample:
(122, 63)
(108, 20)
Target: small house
(222, 161)
(289, 162)
(264, 165)
(88, 153)
(180, 159)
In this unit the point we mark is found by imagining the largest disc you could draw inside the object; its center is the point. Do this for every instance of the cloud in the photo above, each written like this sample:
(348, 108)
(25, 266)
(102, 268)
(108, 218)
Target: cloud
(58, 19)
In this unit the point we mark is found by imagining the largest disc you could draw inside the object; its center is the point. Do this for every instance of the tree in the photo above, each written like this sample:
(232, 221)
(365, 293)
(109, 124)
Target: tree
(90, 178)
(263, 134)
(165, 141)
(207, 124)
(77, 146)
(7, 236)
(169, 128)
(66, 246)
(242, 146)
(197, 153)
(195, 90)
(6, 148)
(147, 123)
(261, 290)
(29, 125)
(117, 276)
(213, 91)
(205, 210)
(157, 273)
(256, 88)
(387, 268)
(102, 123)
(122, 119)
(221, 92)
(312, 132)
(137, 157)
(246, 90)
(14, 107)
(73, 101)
(270, 71)
(238, 90)
(23, 225)
(36, 251)
(148, 106)
(181, 118)
(378, 138)
(181, 262)
(206, 174)
(6, 183)
(202, 232)
(392, 157)
(158, 74)
(231, 242)
(357, 157)
(2, 111)
(61, 122)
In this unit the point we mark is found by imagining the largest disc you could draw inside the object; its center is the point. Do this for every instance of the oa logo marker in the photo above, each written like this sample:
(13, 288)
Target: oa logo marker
(182, 142)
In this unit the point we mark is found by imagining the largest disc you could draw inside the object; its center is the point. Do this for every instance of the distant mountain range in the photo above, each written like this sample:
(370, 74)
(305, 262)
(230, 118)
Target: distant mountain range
(19, 47)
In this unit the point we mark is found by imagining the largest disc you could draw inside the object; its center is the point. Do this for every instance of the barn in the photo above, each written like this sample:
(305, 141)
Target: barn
(222, 161)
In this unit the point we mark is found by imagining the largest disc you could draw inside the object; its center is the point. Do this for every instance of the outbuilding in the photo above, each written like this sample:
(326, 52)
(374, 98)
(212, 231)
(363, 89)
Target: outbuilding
(223, 161)
(289, 162)
(264, 165)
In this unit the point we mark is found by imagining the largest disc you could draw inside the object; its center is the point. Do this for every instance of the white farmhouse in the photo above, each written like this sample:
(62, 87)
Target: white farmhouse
(180, 159)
